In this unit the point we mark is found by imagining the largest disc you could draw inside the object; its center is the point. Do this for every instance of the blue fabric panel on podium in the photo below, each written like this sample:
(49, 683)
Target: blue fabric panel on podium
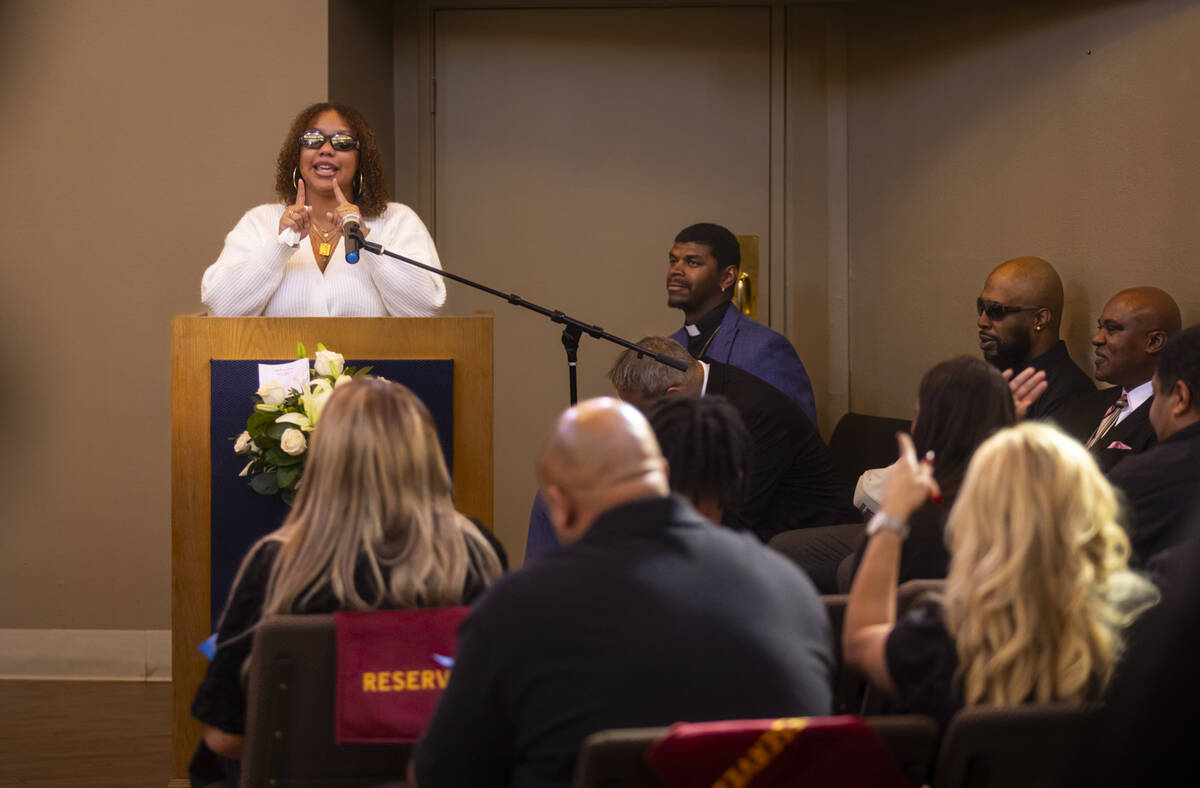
(240, 516)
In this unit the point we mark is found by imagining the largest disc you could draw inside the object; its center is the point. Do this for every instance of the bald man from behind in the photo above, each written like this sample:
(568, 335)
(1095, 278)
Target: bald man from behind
(1020, 312)
(1131, 332)
(649, 614)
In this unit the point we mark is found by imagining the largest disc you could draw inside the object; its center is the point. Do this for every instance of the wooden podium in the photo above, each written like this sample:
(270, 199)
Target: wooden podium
(195, 341)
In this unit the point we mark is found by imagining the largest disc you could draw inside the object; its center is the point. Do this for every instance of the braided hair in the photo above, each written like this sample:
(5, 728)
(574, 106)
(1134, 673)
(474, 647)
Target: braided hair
(706, 445)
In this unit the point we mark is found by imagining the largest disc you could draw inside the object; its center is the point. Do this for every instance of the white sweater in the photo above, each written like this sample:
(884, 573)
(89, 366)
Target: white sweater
(257, 275)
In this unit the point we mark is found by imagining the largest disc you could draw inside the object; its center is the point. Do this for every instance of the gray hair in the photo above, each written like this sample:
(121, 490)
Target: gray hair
(645, 375)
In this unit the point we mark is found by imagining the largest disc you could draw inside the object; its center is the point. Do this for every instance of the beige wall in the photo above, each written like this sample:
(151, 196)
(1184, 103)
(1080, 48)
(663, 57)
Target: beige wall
(136, 134)
(1067, 132)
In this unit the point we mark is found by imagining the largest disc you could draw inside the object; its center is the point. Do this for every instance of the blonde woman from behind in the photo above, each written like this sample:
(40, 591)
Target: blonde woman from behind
(1038, 592)
(373, 527)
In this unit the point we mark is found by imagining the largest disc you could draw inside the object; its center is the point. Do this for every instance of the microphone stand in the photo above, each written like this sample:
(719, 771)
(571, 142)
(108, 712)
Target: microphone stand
(573, 328)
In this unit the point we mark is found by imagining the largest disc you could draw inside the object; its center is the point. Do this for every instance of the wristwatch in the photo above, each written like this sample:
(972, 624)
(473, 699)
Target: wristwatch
(882, 520)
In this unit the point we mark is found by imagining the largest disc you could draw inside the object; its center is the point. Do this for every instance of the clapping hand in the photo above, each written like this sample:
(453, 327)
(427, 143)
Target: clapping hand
(297, 216)
(1026, 388)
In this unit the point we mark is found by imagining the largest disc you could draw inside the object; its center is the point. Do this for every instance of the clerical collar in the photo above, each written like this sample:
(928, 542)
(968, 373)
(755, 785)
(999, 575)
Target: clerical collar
(700, 334)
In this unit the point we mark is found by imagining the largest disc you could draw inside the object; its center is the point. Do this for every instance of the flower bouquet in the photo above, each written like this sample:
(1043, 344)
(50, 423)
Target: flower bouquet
(275, 440)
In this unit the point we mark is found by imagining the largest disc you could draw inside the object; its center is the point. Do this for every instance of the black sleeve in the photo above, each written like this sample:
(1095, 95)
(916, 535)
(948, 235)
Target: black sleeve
(468, 741)
(921, 660)
(221, 699)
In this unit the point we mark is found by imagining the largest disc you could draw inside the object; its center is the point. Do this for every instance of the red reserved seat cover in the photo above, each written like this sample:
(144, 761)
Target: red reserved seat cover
(392, 667)
(811, 751)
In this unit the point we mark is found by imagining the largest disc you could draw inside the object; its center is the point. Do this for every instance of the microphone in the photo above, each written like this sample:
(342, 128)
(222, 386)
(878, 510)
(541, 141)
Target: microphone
(353, 237)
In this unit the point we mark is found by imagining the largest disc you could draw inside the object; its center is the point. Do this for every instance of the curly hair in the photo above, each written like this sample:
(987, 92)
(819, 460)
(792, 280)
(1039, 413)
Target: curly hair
(1038, 592)
(372, 196)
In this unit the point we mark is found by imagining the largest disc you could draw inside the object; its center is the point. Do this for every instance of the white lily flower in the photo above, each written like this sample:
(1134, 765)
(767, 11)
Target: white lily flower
(246, 470)
(299, 419)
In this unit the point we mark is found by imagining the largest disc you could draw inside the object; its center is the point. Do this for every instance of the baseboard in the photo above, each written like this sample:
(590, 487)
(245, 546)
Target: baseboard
(86, 654)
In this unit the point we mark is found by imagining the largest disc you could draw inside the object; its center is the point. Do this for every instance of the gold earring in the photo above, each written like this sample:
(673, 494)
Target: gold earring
(295, 177)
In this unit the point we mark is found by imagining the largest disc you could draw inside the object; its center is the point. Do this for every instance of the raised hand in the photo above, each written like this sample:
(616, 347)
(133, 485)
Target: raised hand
(297, 216)
(344, 208)
(1026, 388)
(909, 481)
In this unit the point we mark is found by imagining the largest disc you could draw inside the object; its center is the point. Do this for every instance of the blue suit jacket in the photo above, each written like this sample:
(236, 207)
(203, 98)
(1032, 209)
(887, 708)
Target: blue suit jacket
(764, 353)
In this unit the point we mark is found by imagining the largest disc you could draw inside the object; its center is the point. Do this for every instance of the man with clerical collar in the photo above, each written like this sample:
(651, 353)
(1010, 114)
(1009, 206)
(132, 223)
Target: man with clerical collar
(1020, 310)
(1162, 484)
(1130, 334)
(649, 614)
(702, 271)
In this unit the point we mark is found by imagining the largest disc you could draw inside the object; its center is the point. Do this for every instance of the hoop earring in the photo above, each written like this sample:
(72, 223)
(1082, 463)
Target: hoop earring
(295, 177)
(356, 184)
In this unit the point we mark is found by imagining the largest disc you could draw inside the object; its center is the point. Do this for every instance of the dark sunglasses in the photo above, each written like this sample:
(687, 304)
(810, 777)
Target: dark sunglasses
(998, 311)
(340, 141)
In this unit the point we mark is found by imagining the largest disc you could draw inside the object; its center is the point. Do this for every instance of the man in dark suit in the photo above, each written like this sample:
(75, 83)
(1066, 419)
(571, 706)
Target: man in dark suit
(701, 275)
(1132, 330)
(792, 483)
(1162, 484)
(647, 615)
(1020, 311)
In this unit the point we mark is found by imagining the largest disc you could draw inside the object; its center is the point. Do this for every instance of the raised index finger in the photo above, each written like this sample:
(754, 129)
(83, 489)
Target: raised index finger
(337, 192)
(299, 192)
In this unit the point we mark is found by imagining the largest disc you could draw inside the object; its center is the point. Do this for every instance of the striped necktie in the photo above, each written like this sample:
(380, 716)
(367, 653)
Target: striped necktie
(1110, 418)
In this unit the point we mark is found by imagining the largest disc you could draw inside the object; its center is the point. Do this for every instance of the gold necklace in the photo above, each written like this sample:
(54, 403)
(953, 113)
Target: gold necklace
(323, 238)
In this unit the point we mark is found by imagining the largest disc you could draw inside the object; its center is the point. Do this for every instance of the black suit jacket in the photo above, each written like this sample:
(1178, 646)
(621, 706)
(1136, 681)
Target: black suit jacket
(1082, 415)
(1162, 487)
(792, 483)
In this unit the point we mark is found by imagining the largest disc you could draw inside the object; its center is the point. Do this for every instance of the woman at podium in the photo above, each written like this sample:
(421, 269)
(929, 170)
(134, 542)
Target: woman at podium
(288, 259)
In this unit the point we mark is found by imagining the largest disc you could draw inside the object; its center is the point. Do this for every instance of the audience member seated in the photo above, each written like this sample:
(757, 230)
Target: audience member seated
(702, 273)
(792, 483)
(707, 450)
(1162, 484)
(1131, 332)
(1020, 310)
(960, 404)
(373, 527)
(647, 615)
(1038, 593)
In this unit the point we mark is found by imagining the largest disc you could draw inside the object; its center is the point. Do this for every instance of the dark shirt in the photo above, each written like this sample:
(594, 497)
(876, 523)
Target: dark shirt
(654, 616)
(1064, 381)
(923, 555)
(921, 659)
(791, 482)
(1162, 488)
(707, 326)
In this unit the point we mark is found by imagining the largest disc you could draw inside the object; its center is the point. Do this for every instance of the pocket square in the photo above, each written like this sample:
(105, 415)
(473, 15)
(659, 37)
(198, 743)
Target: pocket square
(1119, 445)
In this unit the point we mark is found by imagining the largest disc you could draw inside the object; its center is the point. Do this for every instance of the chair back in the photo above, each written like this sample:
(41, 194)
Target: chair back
(860, 442)
(1029, 746)
(912, 591)
(616, 758)
(290, 714)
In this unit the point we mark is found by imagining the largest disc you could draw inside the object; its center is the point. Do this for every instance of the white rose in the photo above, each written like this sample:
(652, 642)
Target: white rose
(329, 363)
(293, 442)
(243, 443)
(273, 393)
(342, 379)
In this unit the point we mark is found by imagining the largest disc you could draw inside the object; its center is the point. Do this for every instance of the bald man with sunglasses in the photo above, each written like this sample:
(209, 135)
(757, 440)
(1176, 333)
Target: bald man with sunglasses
(1020, 311)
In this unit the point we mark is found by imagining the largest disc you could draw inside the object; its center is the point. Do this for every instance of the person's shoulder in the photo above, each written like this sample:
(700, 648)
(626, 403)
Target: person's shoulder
(760, 331)
(267, 213)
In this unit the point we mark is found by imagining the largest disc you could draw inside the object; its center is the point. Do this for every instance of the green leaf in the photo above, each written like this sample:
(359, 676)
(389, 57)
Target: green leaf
(362, 373)
(276, 430)
(300, 351)
(277, 456)
(288, 495)
(288, 474)
(258, 421)
(265, 484)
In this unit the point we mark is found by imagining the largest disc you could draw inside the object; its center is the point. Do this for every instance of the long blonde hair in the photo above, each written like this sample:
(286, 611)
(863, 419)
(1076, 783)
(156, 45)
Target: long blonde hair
(1038, 590)
(375, 492)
